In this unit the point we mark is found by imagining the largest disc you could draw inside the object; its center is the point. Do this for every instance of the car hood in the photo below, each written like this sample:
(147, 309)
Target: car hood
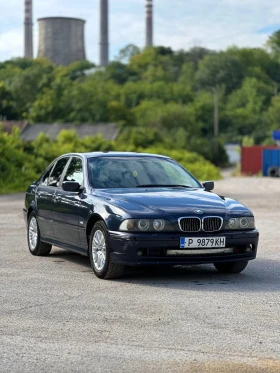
(176, 202)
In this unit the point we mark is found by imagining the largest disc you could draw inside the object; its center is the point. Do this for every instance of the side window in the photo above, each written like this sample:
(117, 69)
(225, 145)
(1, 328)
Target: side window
(45, 178)
(75, 171)
(57, 172)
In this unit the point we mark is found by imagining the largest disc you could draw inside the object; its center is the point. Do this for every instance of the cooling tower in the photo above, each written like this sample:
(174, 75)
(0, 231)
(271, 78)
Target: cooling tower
(104, 38)
(149, 23)
(28, 29)
(61, 39)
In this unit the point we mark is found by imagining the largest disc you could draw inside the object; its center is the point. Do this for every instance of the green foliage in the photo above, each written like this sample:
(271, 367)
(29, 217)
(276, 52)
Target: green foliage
(127, 53)
(15, 165)
(218, 70)
(248, 141)
(157, 96)
(273, 42)
(21, 163)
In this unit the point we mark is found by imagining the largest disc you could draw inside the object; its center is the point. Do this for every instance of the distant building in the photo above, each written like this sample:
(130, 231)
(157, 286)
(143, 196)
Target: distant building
(233, 152)
(30, 132)
(8, 125)
(61, 39)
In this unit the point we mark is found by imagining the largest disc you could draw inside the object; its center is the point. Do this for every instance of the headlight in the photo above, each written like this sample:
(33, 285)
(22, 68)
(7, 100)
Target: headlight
(146, 225)
(143, 224)
(240, 223)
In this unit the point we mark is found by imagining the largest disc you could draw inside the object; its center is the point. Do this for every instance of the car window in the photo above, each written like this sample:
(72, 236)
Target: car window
(130, 172)
(57, 172)
(74, 171)
(45, 178)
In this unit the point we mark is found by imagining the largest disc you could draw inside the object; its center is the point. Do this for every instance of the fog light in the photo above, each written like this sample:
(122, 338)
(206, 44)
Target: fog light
(140, 253)
(248, 249)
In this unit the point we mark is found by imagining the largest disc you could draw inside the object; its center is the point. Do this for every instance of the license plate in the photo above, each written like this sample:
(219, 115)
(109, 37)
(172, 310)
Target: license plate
(201, 242)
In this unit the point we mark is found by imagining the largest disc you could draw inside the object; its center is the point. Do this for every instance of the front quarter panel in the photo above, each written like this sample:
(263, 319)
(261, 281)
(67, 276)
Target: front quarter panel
(235, 208)
(109, 213)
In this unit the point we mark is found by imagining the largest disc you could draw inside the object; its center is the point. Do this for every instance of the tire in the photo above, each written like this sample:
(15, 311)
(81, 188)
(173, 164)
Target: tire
(100, 256)
(36, 246)
(234, 267)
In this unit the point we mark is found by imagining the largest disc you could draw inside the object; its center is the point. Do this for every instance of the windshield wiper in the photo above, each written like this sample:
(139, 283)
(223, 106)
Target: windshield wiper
(163, 185)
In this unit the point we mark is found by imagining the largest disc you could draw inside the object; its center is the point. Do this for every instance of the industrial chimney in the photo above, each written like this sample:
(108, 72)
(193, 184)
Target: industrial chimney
(61, 39)
(104, 43)
(28, 29)
(149, 23)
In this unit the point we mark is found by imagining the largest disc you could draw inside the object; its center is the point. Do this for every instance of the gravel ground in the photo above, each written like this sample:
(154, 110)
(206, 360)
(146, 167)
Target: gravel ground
(56, 316)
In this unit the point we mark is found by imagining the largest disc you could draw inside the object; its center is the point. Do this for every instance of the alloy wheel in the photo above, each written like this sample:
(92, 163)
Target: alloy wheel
(33, 233)
(98, 250)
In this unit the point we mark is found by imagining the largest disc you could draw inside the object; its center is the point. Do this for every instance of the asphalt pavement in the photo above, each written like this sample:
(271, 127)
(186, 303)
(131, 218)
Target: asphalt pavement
(56, 316)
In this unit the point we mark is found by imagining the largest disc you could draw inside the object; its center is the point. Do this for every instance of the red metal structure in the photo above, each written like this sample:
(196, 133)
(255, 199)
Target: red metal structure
(251, 158)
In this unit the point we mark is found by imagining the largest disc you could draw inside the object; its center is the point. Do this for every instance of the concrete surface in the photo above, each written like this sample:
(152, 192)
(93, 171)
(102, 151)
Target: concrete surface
(56, 316)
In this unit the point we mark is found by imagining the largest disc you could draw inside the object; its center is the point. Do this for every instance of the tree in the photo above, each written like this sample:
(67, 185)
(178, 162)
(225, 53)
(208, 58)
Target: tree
(217, 73)
(246, 110)
(217, 70)
(273, 113)
(273, 43)
(127, 53)
(7, 103)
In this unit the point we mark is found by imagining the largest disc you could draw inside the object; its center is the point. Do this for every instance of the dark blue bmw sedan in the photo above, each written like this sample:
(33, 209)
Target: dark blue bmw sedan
(136, 209)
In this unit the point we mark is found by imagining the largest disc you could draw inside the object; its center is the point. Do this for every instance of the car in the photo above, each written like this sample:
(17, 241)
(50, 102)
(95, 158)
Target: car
(134, 209)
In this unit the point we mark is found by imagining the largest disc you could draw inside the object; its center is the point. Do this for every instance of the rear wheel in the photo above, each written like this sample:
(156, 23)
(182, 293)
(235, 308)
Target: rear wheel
(36, 246)
(100, 256)
(234, 267)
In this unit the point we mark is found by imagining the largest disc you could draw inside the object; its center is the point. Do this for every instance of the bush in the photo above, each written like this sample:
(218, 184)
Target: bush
(21, 163)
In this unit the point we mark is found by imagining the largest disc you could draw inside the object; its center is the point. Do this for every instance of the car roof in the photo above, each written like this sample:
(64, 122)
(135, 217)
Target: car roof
(116, 154)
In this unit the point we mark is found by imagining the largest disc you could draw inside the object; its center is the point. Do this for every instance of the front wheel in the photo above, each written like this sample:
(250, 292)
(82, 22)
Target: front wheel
(36, 246)
(99, 253)
(234, 267)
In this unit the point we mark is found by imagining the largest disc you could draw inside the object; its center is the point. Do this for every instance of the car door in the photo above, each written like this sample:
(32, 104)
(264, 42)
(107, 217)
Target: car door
(45, 197)
(44, 201)
(67, 222)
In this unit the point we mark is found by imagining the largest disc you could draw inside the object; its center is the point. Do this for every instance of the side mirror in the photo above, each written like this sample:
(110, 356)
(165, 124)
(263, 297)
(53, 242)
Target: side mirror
(208, 185)
(71, 186)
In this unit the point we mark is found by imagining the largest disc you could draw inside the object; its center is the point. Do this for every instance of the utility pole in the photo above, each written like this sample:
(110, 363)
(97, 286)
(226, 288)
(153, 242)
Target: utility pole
(216, 123)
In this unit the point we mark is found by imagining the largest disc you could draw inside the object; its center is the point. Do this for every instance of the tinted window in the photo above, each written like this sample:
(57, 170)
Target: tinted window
(75, 171)
(123, 172)
(57, 171)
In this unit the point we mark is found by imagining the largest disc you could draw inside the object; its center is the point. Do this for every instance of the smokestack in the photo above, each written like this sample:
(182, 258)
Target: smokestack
(28, 29)
(61, 39)
(104, 43)
(149, 23)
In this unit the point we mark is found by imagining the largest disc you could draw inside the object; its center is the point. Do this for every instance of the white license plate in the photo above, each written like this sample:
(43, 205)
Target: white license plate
(201, 242)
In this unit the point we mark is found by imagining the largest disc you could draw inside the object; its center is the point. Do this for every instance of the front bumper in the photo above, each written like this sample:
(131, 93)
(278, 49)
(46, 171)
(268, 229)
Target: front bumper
(153, 249)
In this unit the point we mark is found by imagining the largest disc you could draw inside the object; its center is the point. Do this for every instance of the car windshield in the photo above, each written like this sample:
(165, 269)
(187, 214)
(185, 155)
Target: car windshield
(133, 172)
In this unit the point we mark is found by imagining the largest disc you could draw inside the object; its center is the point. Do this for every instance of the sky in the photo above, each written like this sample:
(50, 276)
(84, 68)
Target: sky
(179, 24)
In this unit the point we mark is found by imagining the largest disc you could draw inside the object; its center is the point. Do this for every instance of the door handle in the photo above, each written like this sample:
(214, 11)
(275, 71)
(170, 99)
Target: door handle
(56, 198)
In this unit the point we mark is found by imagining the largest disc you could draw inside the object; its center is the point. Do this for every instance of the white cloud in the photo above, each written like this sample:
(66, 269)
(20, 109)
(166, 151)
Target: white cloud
(11, 44)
